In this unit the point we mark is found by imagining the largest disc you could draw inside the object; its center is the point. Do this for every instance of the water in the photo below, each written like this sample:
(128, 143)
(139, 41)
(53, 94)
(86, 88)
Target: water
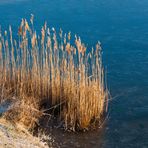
(122, 28)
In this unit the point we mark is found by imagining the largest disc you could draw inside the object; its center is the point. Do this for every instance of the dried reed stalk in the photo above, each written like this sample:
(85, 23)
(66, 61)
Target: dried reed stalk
(48, 67)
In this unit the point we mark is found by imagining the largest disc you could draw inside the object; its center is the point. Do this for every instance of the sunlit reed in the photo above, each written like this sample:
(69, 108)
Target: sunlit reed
(50, 68)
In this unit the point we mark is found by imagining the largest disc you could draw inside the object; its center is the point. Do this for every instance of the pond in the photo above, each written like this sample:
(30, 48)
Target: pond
(122, 28)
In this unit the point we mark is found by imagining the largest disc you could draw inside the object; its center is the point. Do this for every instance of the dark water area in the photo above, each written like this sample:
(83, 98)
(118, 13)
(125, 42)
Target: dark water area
(122, 28)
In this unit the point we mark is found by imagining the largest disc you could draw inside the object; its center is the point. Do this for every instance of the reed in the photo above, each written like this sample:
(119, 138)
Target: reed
(49, 68)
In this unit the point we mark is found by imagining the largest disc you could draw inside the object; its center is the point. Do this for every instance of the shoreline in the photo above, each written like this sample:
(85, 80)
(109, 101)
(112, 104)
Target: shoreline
(17, 136)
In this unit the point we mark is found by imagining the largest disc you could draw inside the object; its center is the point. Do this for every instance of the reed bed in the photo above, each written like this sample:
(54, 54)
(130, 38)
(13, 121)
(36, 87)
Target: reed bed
(50, 69)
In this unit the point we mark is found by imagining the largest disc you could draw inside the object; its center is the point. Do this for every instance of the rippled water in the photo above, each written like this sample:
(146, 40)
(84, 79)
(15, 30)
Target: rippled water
(122, 28)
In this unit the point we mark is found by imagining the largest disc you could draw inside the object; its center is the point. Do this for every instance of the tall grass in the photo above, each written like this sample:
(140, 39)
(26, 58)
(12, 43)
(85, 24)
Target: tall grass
(49, 68)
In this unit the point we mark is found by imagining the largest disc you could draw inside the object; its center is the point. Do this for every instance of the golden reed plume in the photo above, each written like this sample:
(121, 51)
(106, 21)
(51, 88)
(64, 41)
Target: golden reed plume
(48, 67)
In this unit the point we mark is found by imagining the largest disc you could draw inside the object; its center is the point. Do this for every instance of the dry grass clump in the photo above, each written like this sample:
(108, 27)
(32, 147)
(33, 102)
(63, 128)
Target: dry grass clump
(48, 67)
(13, 136)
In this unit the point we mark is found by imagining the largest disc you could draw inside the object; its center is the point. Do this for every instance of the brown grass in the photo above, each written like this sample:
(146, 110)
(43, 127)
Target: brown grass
(48, 68)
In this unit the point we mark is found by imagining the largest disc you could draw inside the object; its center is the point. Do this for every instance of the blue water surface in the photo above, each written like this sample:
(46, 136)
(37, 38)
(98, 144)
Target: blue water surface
(122, 28)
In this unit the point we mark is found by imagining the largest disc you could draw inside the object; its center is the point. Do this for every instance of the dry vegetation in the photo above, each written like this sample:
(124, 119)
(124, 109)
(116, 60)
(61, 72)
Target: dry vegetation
(15, 136)
(47, 70)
